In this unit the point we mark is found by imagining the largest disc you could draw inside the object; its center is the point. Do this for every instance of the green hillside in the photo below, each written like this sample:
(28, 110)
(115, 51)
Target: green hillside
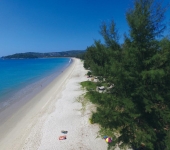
(72, 53)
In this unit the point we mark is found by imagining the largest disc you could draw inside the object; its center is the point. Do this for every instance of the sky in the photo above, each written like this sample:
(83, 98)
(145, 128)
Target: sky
(58, 25)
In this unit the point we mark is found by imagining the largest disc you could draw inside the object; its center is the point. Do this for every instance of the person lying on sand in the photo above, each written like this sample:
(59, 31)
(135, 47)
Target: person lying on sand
(62, 137)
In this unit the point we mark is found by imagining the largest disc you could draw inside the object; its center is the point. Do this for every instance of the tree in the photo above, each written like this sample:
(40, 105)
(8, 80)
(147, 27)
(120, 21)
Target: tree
(145, 77)
(138, 106)
(89, 73)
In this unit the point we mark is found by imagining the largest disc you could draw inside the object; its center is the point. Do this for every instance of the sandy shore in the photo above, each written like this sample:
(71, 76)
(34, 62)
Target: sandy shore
(37, 125)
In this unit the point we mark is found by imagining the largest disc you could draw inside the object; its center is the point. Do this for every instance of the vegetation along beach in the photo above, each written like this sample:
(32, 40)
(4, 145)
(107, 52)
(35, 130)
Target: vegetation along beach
(109, 94)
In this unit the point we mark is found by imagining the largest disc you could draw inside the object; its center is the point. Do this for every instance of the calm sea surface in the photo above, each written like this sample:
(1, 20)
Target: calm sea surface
(20, 78)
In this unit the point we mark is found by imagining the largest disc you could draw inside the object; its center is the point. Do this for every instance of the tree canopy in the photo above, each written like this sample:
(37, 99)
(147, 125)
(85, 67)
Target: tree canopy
(136, 110)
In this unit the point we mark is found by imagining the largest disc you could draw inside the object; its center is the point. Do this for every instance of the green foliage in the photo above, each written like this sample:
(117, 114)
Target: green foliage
(139, 104)
(88, 85)
(89, 73)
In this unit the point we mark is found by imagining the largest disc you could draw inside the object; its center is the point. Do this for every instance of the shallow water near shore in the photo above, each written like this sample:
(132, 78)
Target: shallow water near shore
(21, 79)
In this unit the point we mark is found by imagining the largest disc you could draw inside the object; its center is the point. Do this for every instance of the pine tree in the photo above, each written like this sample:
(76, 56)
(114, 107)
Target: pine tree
(147, 87)
(138, 106)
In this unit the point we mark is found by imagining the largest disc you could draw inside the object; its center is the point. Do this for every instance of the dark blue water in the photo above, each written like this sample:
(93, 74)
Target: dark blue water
(19, 77)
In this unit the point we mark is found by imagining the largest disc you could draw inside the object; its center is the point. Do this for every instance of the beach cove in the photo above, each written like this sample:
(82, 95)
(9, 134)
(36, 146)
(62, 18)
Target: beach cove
(37, 125)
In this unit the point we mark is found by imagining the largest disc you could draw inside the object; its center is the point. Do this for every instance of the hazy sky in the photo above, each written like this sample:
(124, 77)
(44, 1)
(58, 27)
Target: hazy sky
(57, 25)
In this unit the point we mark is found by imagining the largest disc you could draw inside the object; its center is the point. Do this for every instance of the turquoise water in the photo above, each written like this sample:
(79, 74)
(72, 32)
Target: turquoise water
(19, 77)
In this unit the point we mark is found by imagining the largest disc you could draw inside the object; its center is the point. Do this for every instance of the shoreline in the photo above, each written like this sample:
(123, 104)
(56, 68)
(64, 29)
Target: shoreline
(29, 89)
(11, 115)
(38, 124)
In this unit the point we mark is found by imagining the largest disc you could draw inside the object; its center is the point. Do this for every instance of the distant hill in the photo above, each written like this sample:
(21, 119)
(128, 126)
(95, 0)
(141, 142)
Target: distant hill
(72, 53)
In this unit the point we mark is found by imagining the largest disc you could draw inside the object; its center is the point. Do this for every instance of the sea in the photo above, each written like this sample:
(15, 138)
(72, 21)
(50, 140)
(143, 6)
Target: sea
(21, 79)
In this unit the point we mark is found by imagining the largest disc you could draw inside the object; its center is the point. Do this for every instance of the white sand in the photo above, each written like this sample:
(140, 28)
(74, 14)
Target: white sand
(38, 124)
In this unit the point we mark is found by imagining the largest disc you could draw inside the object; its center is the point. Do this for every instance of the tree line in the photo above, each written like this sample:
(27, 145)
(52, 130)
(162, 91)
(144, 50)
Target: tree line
(136, 111)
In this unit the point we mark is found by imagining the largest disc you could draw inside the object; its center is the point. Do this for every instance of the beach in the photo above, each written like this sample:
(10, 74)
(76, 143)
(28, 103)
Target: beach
(37, 124)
